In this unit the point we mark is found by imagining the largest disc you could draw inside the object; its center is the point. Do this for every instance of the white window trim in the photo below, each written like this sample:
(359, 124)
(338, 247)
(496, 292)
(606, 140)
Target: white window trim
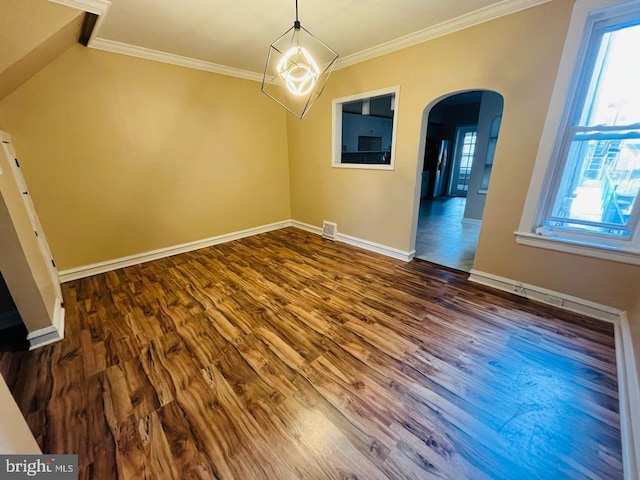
(336, 129)
(564, 89)
(461, 131)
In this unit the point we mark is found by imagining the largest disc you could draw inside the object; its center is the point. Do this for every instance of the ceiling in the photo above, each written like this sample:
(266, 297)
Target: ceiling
(233, 37)
(32, 34)
(25, 24)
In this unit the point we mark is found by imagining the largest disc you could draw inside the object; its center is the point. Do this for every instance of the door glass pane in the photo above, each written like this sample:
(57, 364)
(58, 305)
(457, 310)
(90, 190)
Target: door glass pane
(466, 159)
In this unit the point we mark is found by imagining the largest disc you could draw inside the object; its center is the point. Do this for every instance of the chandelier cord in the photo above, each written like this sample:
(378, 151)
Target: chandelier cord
(297, 21)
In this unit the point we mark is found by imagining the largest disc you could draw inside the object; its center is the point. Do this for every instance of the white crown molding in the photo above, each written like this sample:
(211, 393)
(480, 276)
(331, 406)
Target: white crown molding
(100, 7)
(476, 17)
(149, 54)
(97, 7)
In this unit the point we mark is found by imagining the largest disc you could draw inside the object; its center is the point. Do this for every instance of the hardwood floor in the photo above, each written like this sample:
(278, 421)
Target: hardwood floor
(287, 356)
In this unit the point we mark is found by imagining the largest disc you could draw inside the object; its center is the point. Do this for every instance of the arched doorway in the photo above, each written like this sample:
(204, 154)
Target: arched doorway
(460, 138)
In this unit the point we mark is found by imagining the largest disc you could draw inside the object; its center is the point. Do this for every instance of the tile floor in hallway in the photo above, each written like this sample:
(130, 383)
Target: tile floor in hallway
(442, 236)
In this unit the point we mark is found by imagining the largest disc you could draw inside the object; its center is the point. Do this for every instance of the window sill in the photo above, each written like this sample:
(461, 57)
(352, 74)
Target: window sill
(364, 166)
(631, 257)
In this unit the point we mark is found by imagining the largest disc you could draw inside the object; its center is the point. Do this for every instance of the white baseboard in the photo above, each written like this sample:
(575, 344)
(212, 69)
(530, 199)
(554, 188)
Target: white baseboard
(103, 267)
(10, 319)
(629, 387)
(627, 373)
(48, 335)
(533, 292)
(471, 221)
(359, 242)
(628, 380)
(406, 256)
(306, 227)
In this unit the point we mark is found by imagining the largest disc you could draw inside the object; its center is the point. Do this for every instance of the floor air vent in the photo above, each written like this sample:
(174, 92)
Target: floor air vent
(329, 230)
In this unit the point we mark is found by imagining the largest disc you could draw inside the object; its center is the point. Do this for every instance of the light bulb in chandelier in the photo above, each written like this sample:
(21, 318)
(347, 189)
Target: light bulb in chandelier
(298, 70)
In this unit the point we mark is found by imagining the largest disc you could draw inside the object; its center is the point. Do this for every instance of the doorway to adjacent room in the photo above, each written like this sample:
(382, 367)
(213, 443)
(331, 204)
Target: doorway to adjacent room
(461, 137)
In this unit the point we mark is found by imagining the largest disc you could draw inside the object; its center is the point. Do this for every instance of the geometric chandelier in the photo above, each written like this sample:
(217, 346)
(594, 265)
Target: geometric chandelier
(298, 67)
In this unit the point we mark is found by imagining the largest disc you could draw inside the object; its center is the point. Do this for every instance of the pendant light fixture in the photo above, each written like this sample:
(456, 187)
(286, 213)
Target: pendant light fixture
(298, 67)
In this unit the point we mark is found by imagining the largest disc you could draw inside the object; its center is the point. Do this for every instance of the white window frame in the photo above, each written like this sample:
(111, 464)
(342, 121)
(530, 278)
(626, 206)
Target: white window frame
(456, 164)
(336, 137)
(586, 14)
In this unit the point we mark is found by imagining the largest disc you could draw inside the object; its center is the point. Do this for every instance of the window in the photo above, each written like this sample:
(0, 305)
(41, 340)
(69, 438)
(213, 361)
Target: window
(589, 195)
(463, 159)
(369, 144)
(364, 130)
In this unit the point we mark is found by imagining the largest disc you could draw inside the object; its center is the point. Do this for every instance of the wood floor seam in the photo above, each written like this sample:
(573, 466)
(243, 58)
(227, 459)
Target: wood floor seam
(288, 356)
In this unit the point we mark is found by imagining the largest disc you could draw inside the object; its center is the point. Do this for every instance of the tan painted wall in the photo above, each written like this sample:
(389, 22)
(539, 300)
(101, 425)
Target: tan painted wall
(22, 264)
(39, 57)
(15, 436)
(508, 55)
(25, 24)
(490, 108)
(124, 155)
(23, 268)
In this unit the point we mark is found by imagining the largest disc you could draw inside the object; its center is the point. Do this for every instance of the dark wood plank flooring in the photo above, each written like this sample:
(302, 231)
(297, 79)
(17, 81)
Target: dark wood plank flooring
(287, 356)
